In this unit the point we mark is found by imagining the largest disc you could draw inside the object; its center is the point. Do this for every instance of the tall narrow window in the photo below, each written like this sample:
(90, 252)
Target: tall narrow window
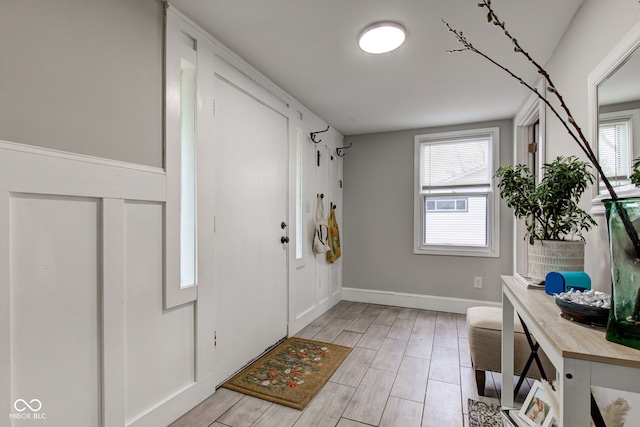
(181, 128)
(299, 162)
(455, 204)
(187, 173)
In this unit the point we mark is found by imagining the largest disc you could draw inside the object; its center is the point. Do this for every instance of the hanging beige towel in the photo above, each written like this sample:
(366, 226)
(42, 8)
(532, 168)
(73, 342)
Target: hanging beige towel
(321, 236)
(334, 236)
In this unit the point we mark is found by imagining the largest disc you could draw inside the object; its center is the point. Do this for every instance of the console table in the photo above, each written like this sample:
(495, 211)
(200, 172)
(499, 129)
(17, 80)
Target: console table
(581, 354)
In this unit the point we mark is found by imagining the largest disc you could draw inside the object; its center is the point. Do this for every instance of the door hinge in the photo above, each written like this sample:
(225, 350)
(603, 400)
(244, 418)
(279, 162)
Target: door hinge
(214, 224)
(533, 147)
(215, 338)
(214, 108)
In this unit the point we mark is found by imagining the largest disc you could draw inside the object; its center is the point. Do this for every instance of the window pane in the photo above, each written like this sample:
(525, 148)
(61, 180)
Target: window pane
(187, 174)
(446, 205)
(457, 228)
(460, 162)
(299, 157)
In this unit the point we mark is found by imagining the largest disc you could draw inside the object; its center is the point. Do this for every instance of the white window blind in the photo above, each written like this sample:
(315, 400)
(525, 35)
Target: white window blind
(456, 163)
(614, 150)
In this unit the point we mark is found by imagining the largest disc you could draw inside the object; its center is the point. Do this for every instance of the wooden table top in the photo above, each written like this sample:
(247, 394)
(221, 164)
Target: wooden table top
(572, 340)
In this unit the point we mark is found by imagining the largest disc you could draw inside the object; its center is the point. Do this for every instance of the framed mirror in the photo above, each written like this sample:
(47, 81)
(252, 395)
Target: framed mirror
(614, 100)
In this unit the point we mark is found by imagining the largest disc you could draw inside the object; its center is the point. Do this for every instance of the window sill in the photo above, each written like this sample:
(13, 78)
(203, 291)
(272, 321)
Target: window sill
(597, 205)
(457, 251)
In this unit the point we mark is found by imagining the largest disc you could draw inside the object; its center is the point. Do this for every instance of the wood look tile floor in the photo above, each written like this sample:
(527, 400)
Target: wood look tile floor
(408, 368)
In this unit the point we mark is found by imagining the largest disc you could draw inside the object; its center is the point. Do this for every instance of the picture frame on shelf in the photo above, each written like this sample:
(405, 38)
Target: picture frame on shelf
(536, 410)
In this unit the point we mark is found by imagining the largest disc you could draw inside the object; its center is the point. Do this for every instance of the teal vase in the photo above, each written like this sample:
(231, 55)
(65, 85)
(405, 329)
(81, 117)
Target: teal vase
(623, 222)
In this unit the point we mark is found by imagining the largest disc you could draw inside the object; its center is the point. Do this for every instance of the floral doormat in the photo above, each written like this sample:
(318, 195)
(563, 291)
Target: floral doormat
(483, 414)
(290, 374)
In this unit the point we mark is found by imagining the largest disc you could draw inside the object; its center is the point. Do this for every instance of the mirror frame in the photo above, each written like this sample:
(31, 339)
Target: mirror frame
(618, 55)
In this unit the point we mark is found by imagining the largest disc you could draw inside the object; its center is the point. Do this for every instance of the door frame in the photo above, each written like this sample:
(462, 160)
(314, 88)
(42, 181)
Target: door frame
(532, 111)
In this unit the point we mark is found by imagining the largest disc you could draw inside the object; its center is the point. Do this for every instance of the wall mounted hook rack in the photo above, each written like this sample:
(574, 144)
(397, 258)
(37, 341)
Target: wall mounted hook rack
(313, 135)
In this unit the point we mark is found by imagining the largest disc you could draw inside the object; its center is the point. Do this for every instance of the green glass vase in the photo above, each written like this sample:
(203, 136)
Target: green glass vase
(623, 222)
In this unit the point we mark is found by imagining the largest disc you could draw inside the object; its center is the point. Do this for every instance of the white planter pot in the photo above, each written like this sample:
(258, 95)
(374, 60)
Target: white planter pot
(554, 255)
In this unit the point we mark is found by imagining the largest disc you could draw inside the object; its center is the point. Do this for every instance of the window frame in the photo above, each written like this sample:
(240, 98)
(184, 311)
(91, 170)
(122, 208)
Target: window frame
(178, 36)
(492, 250)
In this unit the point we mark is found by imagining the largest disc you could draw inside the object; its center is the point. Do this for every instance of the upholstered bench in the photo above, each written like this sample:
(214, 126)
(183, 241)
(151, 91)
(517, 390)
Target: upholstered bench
(484, 330)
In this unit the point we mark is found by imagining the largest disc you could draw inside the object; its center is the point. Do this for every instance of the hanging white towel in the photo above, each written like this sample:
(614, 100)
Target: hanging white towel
(321, 238)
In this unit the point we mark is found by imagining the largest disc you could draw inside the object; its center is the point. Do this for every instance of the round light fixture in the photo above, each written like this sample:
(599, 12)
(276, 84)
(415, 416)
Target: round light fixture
(382, 37)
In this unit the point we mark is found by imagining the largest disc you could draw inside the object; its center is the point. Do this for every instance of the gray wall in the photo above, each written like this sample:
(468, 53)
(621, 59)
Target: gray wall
(378, 222)
(85, 76)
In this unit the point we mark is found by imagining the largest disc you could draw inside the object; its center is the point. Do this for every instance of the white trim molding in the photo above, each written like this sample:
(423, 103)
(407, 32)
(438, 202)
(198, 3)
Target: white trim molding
(76, 174)
(423, 302)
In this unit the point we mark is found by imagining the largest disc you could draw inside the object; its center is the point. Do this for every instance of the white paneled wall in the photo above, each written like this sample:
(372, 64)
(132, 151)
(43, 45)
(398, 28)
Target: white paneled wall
(84, 338)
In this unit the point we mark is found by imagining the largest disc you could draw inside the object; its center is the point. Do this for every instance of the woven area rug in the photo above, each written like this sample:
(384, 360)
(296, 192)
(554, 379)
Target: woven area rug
(483, 414)
(290, 374)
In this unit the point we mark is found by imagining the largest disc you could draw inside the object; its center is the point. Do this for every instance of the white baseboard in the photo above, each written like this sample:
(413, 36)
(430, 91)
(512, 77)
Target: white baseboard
(424, 302)
(173, 408)
(312, 314)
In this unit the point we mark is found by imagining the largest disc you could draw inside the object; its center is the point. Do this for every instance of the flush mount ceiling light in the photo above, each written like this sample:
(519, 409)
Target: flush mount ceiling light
(382, 37)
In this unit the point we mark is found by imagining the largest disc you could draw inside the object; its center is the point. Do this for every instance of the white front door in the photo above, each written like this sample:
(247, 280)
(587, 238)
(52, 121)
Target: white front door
(251, 141)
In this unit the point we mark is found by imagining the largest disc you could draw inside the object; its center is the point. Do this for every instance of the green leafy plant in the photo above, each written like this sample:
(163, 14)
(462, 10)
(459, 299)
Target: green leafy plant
(550, 209)
(635, 175)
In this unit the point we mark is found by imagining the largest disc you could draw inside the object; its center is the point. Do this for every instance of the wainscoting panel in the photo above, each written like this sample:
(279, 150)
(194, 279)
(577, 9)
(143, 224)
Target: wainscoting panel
(55, 308)
(84, 338)
(160, 344)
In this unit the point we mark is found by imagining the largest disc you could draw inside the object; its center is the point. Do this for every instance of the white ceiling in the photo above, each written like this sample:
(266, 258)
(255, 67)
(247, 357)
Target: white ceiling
(309, 49)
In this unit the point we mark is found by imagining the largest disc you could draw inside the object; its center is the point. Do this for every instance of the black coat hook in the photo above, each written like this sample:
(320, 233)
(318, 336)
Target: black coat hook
(340, 150)
(313, 135)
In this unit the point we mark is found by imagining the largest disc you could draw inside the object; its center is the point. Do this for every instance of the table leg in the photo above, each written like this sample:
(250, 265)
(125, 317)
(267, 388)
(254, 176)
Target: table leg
(575, 394)
(507, 352)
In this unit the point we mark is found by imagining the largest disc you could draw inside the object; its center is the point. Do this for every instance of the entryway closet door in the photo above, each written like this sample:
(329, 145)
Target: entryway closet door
(251, 140)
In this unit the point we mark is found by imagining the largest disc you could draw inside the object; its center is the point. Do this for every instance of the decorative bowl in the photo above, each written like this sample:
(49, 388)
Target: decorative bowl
(581, 313)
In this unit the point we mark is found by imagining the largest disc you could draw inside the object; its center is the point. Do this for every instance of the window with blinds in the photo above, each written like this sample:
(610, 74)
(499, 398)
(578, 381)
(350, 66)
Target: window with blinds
(455, 202)
(614, 150)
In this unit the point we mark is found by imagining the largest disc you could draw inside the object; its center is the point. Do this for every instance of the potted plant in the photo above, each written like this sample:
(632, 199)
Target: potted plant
(551, 213)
